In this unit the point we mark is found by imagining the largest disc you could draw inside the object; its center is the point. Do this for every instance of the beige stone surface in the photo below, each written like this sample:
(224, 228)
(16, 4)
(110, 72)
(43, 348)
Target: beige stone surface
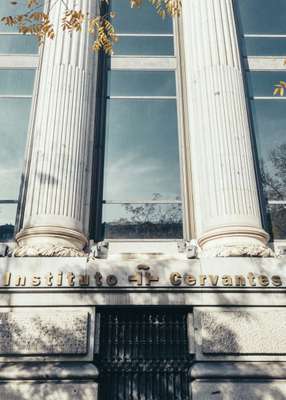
(271, 390)
(43, 332)
(48, 391)
(243, 331)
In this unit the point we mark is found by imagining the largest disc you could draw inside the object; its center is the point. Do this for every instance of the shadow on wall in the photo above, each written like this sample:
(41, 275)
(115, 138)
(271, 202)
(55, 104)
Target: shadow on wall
(15, 390)
(237, 380)
(43, 335)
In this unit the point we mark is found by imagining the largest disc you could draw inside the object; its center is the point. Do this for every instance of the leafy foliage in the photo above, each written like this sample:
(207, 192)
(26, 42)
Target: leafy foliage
(38, 23)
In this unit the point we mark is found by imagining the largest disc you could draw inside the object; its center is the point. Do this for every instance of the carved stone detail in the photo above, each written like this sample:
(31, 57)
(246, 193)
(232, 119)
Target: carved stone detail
(52, 251)
(238, 251)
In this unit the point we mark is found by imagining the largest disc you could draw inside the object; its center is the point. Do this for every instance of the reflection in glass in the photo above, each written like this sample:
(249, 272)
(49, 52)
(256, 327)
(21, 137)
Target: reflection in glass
(139, 20)
(277, 220)
(18, 44)
(269, 127)
(144, 46)
(261, 83)
(7, 221)
(14, 117)
(142, 156)
(262, 16)
(16, 81)
(141, 83)
(143, 221)
(10, 8)
(264, 46)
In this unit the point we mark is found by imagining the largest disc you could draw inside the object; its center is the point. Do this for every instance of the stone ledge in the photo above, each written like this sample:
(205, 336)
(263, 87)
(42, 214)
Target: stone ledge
(47, 371)
(239, 370)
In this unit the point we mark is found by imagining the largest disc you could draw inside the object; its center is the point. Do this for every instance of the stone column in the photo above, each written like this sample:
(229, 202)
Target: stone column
(228, 220)
(53, 221)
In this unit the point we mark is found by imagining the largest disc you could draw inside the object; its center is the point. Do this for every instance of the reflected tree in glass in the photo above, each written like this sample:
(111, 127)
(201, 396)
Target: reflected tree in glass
(274, 186)
(147, 220)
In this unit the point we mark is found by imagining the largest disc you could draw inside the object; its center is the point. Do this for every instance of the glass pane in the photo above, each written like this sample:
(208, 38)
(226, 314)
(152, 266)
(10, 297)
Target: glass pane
(277, 220)
(145, 46)
(139, 20)
(14, 117)
(269, 127)
(10, 8)
(141, 83)
(7, 221)
(17, 81)
(18, 44)
(143, 221)
(264, 46)
(142, 157)
(262, 83)
(262, 16)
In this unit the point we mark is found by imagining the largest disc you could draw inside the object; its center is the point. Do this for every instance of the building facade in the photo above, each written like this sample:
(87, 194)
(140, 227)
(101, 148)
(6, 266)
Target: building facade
(142, 206)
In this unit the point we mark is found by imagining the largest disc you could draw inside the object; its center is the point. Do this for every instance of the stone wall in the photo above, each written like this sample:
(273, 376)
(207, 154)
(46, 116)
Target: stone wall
(49, 335)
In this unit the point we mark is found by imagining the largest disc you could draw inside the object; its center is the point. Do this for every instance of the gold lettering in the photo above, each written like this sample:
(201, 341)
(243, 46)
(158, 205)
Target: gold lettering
(149, 278)
(59, 279)
(138, 278)
(203, 280)
(20, 281)
(176, 279)
(98, 279)
(7, 278)
(251, 279)
(190, 280)
(111, 280)
(83, 280)
(276, 280)
(36, 280)
(49, 279)
(240, 280)
(226, 280)
(263, 280)
(213, 279)
(70, 278)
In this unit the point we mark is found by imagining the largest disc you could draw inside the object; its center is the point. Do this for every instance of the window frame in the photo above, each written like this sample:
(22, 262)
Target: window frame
(256, 63)
(19, 62)
(174, 63)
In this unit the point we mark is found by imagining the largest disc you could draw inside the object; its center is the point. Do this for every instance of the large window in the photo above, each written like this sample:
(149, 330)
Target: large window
(263, 35)
(17, 69)
(141, 185)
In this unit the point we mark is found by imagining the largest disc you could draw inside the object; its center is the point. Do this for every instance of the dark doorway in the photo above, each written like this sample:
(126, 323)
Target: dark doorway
(143, 354)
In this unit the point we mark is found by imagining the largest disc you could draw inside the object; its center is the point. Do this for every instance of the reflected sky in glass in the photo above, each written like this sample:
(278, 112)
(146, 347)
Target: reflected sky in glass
(14, 117)
(262, 16)
(141, 83)
(261, 83)
(18, 44)
(7, 8)
(7, 214)
(270, 132)
(142, 156)
(144, 46)
(264, 46)
(17, 81)
(139, 20)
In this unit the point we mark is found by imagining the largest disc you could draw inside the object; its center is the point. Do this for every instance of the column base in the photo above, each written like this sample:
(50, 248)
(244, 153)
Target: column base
(235, 242)
(50, 241)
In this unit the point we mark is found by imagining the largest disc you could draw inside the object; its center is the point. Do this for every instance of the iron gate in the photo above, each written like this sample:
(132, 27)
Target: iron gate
(143, 355)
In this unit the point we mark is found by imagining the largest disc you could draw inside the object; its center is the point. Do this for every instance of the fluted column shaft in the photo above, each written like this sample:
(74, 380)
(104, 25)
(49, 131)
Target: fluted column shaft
(56, 190)
(228, 219)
